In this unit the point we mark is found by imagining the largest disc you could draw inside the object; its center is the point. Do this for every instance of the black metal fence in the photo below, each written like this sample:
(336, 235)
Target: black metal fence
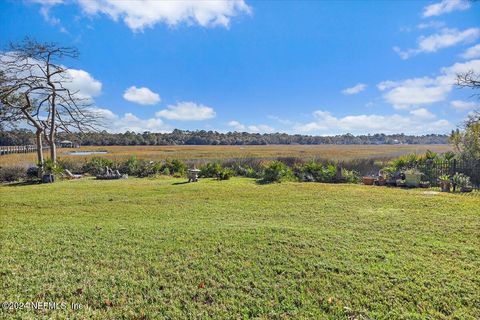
(433, 169)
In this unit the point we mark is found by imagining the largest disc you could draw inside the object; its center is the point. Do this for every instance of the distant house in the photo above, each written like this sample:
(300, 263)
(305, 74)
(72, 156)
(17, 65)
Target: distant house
(68, 144)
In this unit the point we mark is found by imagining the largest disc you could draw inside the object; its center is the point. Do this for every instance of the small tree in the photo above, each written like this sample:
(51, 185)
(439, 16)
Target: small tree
(467, 140)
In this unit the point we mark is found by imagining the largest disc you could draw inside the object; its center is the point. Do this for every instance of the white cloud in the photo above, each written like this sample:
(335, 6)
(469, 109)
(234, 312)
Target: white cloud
(141, 95)
(445, 6)
(325, 122)
(472, 52)
(129, 122)
(359, 87)
(84, 83)
(460, 105)
(187, 111)
(431, 24)
(260, 128)
(424, 91)
(422, 113)
(140, 14)
(237, 126)
(446, 38)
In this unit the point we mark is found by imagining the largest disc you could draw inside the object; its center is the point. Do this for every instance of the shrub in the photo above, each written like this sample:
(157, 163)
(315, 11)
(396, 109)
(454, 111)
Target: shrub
(32, 173)
(448, 156)
(11, 174)
(146, 168)
(71, 165)
(407, 161)
(130, 166)
(225, 174)
(51, 167)
(96, 165)
(210, 170)
(276, 171)
(461, 180)
(317, 172)
(175, 167)
(350, 176)
(389, 172)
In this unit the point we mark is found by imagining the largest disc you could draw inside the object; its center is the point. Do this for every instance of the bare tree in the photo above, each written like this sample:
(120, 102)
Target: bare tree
(469, 79)
(38, 83)
(15, 107)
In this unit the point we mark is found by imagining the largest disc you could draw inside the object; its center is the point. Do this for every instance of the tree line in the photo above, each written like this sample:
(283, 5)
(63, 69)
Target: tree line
(202, 137)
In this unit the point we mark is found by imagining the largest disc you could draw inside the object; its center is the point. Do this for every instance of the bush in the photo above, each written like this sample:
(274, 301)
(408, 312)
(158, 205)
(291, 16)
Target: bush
(32, 173)
(96, 165)
(317, 172)
(246, 167)
(175, 167)
(71, 165)
(210, 170)
(130, 166)
(51, 167)
(11, 174)
(144, 168)
(276, 171)
(350, 176)
(461, 180)
(225, 174)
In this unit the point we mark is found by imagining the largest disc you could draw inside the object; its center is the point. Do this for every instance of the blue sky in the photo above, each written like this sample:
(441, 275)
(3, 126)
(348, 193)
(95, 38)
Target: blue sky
(312, 67)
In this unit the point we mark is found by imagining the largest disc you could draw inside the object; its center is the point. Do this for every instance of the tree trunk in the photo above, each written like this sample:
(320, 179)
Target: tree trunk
(38, 134)
(53, 128)
(53, 149)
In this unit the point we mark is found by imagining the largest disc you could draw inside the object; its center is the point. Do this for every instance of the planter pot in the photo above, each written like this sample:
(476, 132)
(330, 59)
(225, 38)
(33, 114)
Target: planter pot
(466, 189)
(48, 178)
(445, 186)
(368, 181)
(381, 181)
(412, 179)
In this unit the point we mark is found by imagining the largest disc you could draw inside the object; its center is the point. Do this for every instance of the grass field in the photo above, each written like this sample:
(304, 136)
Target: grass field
(332, 152)
(158, 248)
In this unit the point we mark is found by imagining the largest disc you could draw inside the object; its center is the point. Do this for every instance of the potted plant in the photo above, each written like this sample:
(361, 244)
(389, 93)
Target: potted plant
(389, 173)
(444, 183)
(412, 178)
(463, 181)
(368, 180)
(381, 181)
(50, 168)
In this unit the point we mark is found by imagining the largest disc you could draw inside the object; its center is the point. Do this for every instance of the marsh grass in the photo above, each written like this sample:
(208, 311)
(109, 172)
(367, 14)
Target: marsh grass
(209, 153)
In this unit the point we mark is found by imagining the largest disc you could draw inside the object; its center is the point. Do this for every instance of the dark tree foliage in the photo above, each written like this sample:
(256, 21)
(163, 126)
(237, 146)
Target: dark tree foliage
(202, 137)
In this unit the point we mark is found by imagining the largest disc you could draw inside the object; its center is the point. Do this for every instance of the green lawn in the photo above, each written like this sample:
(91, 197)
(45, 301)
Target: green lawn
(156, 248)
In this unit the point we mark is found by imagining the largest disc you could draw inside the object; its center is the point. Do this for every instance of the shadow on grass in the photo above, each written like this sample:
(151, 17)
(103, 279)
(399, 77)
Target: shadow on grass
(22, 183)
(263, 182)
(178, 183)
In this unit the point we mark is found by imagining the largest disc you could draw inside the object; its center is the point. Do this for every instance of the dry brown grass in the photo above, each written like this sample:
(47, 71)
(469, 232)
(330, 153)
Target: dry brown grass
(333, 152)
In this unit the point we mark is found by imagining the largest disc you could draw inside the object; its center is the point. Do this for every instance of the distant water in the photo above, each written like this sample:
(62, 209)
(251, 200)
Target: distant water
(85, 153)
